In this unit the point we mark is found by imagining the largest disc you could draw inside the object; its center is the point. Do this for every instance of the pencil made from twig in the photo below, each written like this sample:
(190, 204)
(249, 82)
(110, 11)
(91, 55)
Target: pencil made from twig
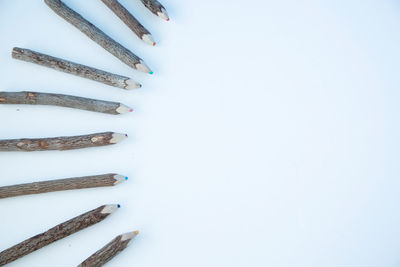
(93, 181)
(109, 251)
(157, 9)
(69, 101)
(130, 21)
(74, 68)
(62, 143)
(56, 233)
(98, 35)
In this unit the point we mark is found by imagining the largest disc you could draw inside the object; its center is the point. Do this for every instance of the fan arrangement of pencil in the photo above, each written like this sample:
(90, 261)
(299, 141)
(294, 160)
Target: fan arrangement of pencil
(92, 217)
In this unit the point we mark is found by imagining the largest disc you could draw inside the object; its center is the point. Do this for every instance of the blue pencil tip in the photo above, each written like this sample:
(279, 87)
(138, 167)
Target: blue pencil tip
(126, 178)
(119, 206)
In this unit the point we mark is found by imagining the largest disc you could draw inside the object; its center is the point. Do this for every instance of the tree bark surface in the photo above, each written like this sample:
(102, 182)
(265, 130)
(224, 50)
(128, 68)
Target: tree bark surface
(70, 67)
(56, 233)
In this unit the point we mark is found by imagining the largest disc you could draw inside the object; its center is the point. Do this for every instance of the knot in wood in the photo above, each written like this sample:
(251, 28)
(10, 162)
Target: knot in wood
(97, 139)
(30, 95)
(43, 144)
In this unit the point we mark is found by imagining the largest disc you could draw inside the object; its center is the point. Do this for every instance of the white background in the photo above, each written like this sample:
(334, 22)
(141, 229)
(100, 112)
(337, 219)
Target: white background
(268, 135)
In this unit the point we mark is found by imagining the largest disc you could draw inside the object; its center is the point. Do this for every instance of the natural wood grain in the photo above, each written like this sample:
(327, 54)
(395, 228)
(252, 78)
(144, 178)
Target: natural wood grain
(97, 35)
(61, 143)
(129, 20)
(109, 251)
(110, 179)
(56, 233)
(74, 68)
(36, 98)
(156, 7)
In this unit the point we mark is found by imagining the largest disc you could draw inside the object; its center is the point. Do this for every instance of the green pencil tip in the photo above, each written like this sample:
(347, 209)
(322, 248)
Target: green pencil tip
(151, 72)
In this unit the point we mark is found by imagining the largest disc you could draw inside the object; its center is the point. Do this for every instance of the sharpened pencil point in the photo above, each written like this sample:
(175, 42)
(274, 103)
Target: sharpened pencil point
(148, 39)
(129, 236)
(119, 179)
(163, 14)
(126, 178)
(131, 84)
(142, 67)
(117, 137)
(119, 206)
(110, 208)
(123, 109)
(151, 72)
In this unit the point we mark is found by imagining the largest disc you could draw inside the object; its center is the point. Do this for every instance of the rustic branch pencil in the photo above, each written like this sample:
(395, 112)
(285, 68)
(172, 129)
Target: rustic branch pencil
(56, 233)
(74, 68)
(97, 35)
(157, 9)
(109, 251)
(36, 98)
(62, 143)
(103, 180)
(129, 20)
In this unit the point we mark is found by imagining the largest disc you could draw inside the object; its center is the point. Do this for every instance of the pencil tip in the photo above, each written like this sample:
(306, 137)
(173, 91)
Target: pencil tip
(142, 67)
(129, 236)
(147, 38)
(123, 109)
(117, 137)
(154, 43)
(118, 205)
(151, 72)
(119, 179)
(109, 208)
(163, 14)
(131, 84)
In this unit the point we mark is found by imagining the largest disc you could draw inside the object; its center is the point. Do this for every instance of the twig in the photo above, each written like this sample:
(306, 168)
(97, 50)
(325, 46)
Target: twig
(36, 98)
(109, 251)
(97, 35)
(129, 20)
(56, 233)
(62, 143)
(157, 9)
(74, 68)
(61, 185)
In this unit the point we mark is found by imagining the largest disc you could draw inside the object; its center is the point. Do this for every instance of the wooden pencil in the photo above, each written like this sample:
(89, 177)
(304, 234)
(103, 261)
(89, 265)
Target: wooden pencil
(109, 251)
(62, 143)
(157, 9)
(74, 68)
(98, 36)
(36, 98)
(130, 21)
(103, 180)
(56, 233)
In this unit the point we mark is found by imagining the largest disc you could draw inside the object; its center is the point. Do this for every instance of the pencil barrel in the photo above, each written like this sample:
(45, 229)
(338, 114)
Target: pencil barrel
(126, 17)
(58, 143)
(59, 185)
(56, 233)
(109, 251)
(70, 67)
